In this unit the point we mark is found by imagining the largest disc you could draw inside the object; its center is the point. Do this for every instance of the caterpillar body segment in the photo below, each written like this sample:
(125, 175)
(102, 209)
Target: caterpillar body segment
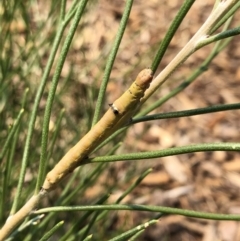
(116, 117)
(81, 150)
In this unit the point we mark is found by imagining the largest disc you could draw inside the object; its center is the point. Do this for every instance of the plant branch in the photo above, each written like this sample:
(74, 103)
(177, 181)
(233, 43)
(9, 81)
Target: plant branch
(110, 60)
(16, 219)
(184, 113)
(167, 152)
(191, 46)
(148, 208)
(170, 33)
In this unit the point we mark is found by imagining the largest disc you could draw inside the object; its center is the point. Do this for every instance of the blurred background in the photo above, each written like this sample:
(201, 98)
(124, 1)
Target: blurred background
(200, 181)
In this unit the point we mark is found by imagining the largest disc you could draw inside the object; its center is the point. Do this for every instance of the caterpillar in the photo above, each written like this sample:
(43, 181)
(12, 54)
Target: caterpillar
(118, 114)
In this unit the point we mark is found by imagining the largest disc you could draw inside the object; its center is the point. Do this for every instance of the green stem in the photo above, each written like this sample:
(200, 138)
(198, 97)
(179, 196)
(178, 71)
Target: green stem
(63, 10)
(178, 114)
(33, 116)
(110, 60)
(110, 138)
(52, 91)
(144, 208)
(170, 33)
(55, 135)
(136, 235)
(27, 224)
(11, 134)
(85, 183)
(219, 36)
(167, 152)
(51, 231)
(76, 225)
(89, 237)
(131, 232)
(203, 33)
(129, 190)
(134, 185)
(226, 17)
(196, 73)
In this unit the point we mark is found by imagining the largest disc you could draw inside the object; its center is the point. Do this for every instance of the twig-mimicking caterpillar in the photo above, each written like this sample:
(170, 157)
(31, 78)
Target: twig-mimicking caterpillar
(116, 117)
